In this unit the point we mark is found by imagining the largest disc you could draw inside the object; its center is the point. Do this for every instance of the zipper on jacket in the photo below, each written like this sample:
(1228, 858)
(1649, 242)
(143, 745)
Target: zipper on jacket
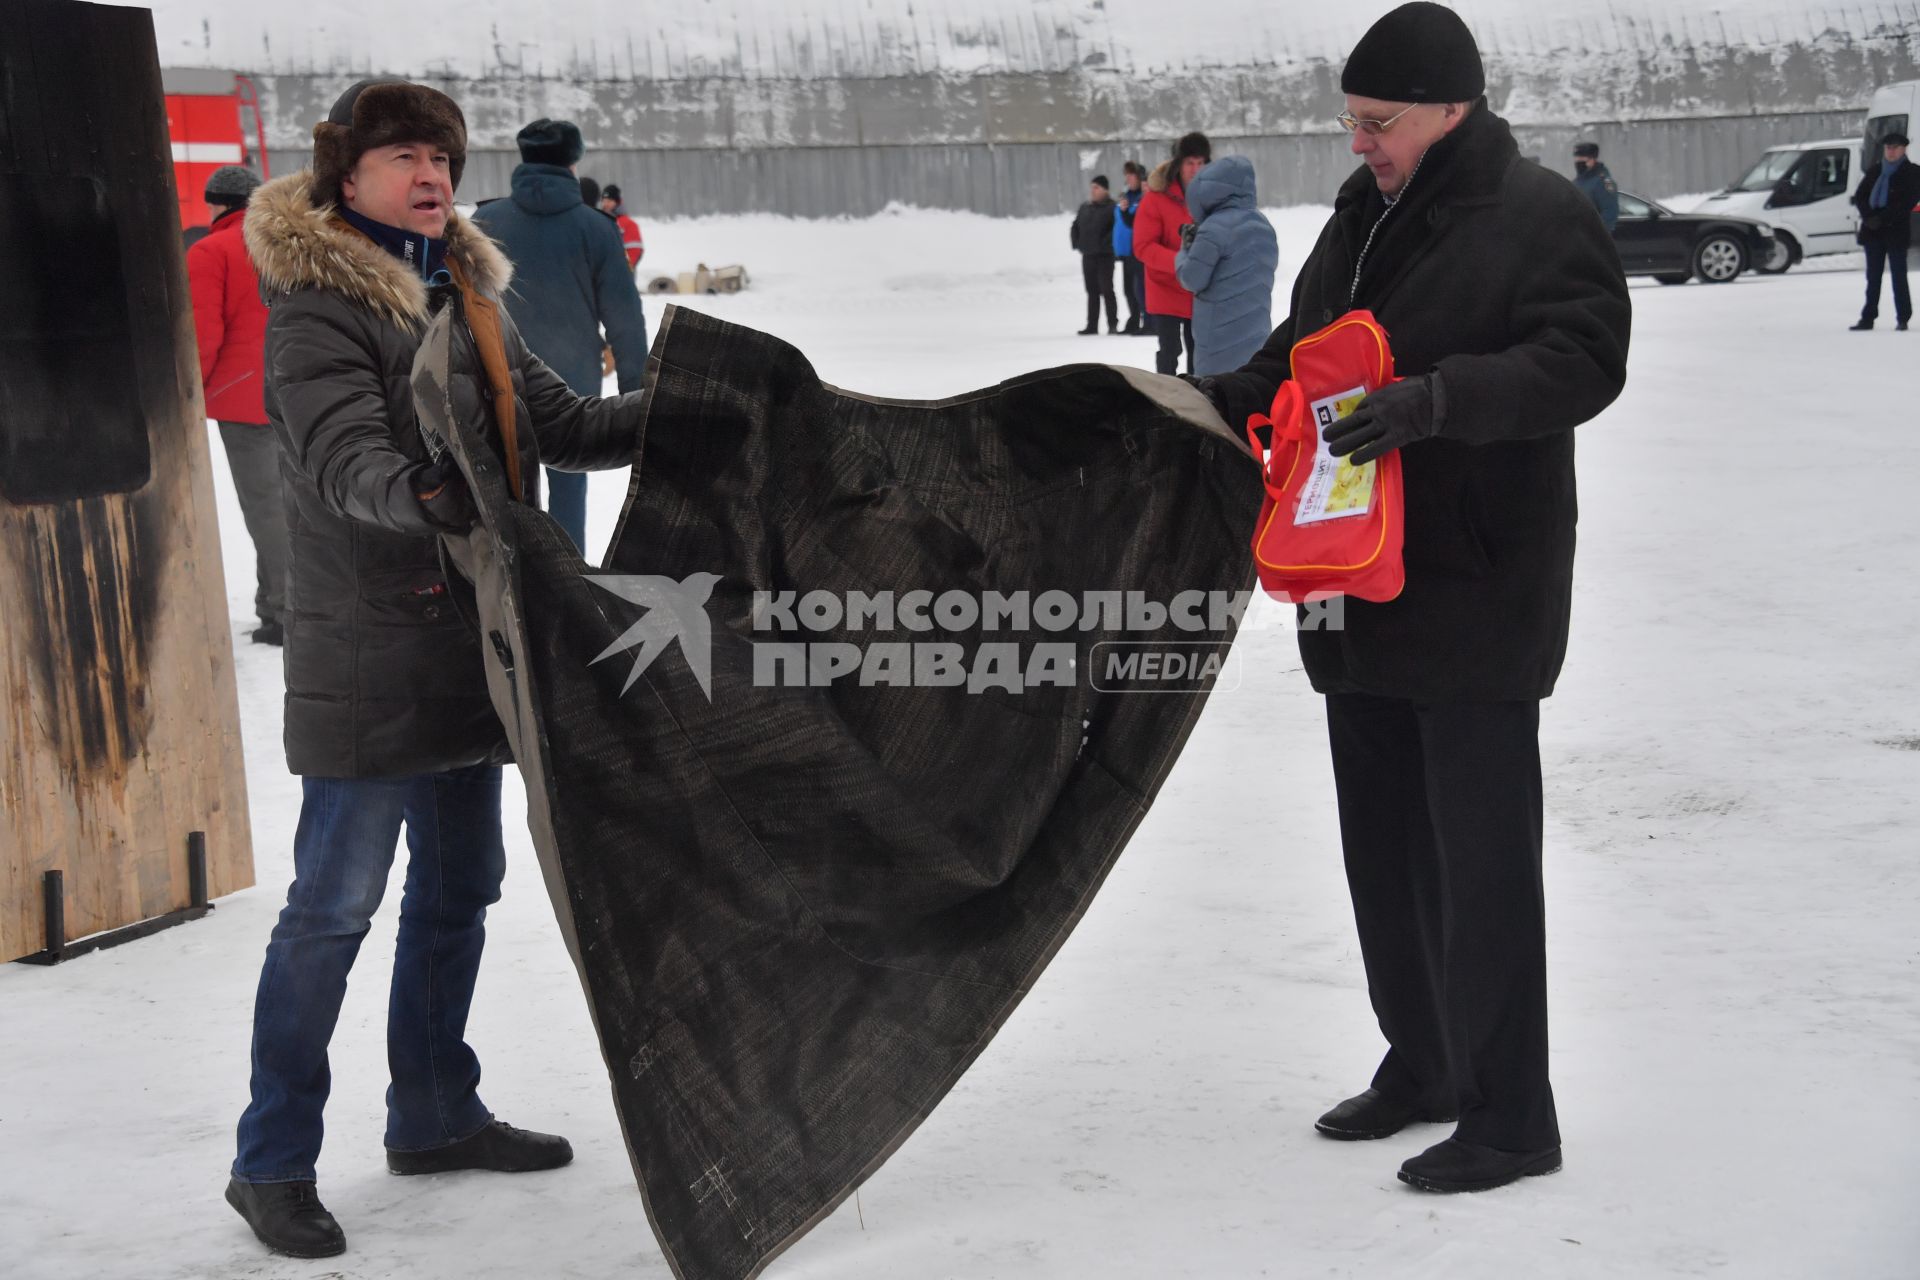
(229, 384)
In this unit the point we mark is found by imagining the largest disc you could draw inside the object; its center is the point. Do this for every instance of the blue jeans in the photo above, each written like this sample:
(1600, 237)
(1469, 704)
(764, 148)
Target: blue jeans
(567, 503)
(342, 852)
(1894, 262)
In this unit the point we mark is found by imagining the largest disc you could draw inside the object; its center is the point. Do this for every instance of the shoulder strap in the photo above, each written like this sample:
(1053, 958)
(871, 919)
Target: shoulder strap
(483, 318)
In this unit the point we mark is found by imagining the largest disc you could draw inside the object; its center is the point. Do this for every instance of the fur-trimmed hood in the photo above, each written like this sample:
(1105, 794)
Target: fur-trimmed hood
(1161, 176)
(297, 245)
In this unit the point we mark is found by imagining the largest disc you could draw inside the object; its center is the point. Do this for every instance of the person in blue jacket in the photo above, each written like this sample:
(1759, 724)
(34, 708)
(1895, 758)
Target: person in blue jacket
(1133, 274)
(570, 278)
(1227, 261)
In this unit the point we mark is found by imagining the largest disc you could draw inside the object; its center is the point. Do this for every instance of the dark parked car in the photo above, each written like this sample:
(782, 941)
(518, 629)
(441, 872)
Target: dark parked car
(1676, 247)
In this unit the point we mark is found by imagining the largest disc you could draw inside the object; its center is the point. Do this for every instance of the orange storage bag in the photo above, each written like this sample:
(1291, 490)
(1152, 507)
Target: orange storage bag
(1327, 527)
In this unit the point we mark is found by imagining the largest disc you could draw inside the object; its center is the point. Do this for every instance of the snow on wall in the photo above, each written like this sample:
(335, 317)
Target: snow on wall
(869, 39)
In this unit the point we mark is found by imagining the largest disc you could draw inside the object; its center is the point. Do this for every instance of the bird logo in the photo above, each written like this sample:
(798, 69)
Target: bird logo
(674, 610)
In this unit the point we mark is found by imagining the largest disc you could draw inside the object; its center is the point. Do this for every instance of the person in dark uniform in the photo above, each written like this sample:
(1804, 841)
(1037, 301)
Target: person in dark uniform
(1595, 182)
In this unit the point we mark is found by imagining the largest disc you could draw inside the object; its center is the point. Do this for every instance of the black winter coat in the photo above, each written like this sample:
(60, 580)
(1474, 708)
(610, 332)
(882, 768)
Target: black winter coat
(384, 677)
(1891, 227)
(1093, 227)
(1498, 275)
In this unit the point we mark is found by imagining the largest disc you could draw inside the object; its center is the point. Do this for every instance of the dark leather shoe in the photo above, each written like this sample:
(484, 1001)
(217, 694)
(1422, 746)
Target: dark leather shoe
(1369, 1115)
(1454, 1165)
(499, 1147)
(270, 633)
(1861, 326)
(288, 1217)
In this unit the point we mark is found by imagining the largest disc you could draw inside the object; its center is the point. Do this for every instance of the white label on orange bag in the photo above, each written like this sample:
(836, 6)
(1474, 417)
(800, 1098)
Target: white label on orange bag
(1336, 489)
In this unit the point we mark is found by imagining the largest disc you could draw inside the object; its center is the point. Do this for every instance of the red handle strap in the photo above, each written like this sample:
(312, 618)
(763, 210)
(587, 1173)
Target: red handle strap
(1286, 418)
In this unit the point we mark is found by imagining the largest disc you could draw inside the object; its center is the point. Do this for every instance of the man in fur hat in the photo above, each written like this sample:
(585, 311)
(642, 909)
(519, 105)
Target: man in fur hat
(388, 721)
(1509, 318)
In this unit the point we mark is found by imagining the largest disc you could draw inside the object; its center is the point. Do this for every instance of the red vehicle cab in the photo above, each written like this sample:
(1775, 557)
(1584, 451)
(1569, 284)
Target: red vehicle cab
(210, 115)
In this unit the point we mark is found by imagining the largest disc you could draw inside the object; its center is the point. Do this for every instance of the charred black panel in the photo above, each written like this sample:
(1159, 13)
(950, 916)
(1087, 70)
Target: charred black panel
(91, 270)
(96, 428)
(71, 419)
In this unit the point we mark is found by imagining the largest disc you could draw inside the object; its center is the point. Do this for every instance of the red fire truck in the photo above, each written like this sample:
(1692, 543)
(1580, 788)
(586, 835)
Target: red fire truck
(213, 118)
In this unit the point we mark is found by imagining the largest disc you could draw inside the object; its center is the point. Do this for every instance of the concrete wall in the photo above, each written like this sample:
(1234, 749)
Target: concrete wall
(1671, 118)
(1652, 157)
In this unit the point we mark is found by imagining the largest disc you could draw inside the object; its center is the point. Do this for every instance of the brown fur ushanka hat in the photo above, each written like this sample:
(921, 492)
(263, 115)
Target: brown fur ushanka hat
(380, 113)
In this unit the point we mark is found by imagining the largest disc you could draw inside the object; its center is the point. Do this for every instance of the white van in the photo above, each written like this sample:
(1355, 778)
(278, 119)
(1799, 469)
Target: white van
(1805, 189)
(1895, 109)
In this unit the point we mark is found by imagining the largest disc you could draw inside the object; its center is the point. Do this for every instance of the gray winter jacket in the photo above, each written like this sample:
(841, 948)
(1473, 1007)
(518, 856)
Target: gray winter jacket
(1229, 267)
(384, 677)
(571, 277)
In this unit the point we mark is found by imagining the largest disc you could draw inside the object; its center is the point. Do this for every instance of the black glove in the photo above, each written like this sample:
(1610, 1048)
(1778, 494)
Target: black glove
(1210, 387)
(1391, 418)
(442, 492)
(1187, 232)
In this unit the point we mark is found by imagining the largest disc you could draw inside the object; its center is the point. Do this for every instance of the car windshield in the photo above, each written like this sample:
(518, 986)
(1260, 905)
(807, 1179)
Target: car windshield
(1773, 166)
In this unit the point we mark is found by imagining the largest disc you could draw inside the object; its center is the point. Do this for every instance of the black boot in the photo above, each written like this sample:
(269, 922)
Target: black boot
(270, 633)
(1861, 326)
(499, 1147)
(288, 1217)
(1454, 1165)
(1369, 1115)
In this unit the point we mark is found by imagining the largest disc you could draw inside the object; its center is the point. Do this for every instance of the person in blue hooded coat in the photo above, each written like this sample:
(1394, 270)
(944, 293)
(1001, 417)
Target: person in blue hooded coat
(570, 279)
(1228, 261)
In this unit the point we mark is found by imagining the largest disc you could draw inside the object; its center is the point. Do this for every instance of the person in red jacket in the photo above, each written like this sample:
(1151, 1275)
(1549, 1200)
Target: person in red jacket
(614, 207)
(230, 322)
(1156, 243)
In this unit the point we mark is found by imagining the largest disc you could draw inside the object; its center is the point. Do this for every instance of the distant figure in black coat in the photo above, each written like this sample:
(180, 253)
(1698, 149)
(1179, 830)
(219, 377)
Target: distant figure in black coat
(1092, 236)
(1885, 198)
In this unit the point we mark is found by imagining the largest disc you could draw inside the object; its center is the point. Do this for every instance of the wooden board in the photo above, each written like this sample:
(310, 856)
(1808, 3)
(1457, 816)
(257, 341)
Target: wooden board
(118, 709)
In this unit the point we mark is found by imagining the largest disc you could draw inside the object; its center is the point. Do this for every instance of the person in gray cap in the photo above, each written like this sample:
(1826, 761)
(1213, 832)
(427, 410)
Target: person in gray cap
(1509, 318)
(572, 280)
(230, 323)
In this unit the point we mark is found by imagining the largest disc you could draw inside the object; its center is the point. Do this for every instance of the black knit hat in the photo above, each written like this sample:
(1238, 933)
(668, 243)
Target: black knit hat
(230, 184)
(1587, 150)
(384, 113)
(551, 142)
(1420, 52)
(1100, 181)
(590, 192)
(1193, 144)
(612, 192)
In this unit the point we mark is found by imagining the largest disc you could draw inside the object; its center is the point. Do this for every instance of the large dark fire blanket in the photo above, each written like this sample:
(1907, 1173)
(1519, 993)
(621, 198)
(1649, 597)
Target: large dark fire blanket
(801, 911)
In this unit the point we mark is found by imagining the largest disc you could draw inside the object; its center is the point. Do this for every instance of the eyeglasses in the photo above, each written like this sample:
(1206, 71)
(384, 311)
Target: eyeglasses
(1373, 128)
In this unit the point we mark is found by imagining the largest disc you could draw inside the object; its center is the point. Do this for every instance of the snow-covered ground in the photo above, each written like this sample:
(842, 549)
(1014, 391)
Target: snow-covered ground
(1733, 779)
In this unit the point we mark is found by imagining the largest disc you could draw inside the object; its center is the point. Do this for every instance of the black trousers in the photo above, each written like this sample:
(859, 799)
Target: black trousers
(1894, 260)
(1173, 330)
(1440, 817)
(1096, 269)
(1133, 283)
